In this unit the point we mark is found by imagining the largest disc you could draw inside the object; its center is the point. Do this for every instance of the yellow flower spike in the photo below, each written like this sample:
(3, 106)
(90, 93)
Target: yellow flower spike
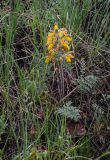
(55, 27)
(58, 42)
(68, 57)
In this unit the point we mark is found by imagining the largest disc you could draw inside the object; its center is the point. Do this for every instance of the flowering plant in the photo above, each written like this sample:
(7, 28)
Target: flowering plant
(58, 45)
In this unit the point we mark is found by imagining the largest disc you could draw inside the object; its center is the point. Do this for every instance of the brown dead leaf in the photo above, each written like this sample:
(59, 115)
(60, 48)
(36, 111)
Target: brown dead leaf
(41, 148)
(40, 114)
(80, 129)
(76, 128)
(32, 132)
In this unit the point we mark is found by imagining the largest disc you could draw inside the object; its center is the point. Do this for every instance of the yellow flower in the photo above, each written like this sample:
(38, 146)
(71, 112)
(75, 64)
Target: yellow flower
(50, 37)
(62, 32)
(64, 44)
(49, 57)
(68, 38)
(51, 34)
(68, 57)
(47, 60)
(50, 46)
(55, 27)
(49, 40)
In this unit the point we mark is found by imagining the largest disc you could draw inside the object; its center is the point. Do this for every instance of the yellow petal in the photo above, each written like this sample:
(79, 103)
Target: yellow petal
(50, 46)
(47, 60)
(64, 44)
(60, 34)
(51, 34)
(49, 40)
(55, 27)
(68, 57)
(68, 38)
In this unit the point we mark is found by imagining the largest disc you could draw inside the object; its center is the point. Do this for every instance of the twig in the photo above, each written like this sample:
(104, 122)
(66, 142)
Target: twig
(68, 95)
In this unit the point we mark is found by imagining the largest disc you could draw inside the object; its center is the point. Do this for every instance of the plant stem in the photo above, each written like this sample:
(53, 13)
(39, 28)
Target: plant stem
(61, 82)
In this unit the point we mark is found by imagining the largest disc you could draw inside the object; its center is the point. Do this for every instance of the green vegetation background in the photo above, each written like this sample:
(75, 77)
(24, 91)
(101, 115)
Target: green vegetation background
(32, 123)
